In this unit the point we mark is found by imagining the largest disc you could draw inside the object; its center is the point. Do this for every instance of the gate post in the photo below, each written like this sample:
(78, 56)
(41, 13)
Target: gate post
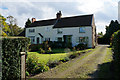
(23, 61)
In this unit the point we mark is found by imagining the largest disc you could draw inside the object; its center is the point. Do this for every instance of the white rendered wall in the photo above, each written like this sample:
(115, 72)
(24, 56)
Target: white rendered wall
(119, 11)
(52, 33)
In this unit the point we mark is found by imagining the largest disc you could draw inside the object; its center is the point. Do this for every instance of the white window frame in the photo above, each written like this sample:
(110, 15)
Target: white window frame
(31, 30)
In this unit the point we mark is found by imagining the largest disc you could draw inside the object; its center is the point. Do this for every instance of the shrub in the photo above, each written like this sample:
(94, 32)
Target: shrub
(81, 46)
(116, 42)
(32, 63)
(11, 48)
(116, 49)
(42, 51)
(33, 67)
(65, 59)
(41, 68)
(52, 64)
(35, 47)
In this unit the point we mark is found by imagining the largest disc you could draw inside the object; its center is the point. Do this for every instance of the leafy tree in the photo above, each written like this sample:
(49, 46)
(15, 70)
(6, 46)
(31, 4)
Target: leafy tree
(4, 28)
(14, 28)
(28, 22)
(113, 27)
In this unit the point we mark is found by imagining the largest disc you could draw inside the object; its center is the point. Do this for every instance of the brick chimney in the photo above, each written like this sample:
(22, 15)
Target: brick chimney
(58, 15)
(33, 20)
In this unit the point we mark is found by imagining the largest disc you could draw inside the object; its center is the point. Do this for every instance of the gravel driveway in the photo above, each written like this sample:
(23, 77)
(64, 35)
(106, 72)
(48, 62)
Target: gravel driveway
(79, 67)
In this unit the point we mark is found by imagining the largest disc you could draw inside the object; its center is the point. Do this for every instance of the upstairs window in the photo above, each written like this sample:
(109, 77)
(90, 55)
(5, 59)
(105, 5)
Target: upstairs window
(31, 30)
(82, 29)
(59, 31)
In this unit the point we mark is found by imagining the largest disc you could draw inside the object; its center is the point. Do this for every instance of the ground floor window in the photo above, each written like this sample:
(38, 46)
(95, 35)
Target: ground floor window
(59, 39)
(82, 40)
(32, 39)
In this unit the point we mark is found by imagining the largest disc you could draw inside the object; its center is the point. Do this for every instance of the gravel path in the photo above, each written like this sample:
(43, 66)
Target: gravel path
(79, 67)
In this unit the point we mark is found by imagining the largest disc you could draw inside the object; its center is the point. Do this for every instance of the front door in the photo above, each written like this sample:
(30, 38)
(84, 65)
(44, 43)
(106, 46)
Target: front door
(67, 38)
(38, 40)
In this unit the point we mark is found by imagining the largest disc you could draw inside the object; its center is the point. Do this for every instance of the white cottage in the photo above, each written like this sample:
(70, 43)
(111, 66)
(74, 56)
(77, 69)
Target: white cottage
(75, 29)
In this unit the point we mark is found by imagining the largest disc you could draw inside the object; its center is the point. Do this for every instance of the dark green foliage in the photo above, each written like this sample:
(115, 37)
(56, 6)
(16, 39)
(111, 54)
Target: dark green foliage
(33, 67)
(116, 41)
(81, 46)
(52, 64)
(65, 59)
(113, 27)
(59, 44)
(28, 23)
(35, 47)
(116, 49)
(11, 48)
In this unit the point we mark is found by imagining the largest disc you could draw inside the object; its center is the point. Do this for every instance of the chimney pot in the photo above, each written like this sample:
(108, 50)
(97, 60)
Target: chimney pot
(33, 20)
(58, 15)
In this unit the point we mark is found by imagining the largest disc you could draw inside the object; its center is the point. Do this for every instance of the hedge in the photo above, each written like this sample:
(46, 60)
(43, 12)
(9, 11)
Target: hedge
(11, 60)
(116, 55)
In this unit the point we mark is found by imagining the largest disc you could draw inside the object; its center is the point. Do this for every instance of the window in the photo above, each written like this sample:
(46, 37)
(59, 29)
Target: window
(32, 39)
(82, 29)
(47, 29)
(59, 31)
(83, 39)
(59, 39)
(31, 30)
(47, 39)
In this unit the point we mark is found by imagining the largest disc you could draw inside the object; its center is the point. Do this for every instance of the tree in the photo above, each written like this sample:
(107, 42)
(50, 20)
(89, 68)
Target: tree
(28, 22)
(14, 28)
(4, 28)
(113, 27)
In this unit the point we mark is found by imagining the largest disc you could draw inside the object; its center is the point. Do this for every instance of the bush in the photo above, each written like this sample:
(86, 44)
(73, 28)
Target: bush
(65, 59)
(81, 46)
(41, 68)
(32, 63)
(116, 42)
(33, 67)
(42, 51)
(52, 64)
(35, 47)
(11, 58)
(116, 49)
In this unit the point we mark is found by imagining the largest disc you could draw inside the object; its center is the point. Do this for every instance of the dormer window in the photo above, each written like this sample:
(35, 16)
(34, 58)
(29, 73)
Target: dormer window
(82, 29)
(31, 30)
(59, 31)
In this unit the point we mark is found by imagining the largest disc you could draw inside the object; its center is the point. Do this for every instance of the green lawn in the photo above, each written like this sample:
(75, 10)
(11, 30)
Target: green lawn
(60, 53)
(44, 58)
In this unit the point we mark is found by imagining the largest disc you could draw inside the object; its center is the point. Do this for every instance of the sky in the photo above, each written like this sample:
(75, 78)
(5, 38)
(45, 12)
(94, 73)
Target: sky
(104, 10)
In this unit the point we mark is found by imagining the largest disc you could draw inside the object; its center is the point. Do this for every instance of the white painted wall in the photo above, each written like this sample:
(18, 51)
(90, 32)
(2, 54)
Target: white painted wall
(52, 33)
(119, 11)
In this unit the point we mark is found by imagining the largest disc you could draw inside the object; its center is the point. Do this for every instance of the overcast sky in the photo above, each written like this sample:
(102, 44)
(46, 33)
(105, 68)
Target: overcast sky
(104, 10)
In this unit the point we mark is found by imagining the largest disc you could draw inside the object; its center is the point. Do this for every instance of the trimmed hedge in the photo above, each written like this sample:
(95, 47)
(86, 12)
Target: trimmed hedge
(116, 55)
(11, 58)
